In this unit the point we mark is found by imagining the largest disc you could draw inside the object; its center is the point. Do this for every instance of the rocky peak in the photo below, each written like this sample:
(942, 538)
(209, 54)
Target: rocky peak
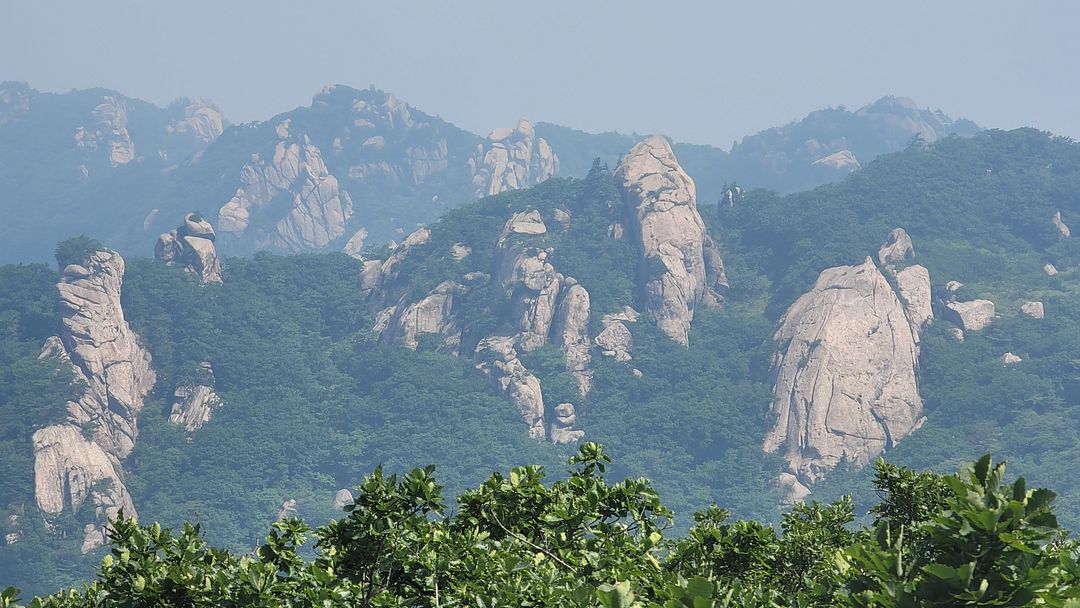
(511, 159)
(79, 459)
(108, 131)
(681, 267)
(846, 385)
(320, 208)
(191, 245)
(897, 249)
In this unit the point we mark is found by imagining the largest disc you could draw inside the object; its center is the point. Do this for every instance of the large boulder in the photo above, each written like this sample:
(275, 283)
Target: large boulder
(572, 332)
(193, 405)
(897, 249)
(680, 266)
(846, 386)
(1032, 309)
(913, 285)
(191, 246)
(433, 314)
(1062, 227)
(971, 316)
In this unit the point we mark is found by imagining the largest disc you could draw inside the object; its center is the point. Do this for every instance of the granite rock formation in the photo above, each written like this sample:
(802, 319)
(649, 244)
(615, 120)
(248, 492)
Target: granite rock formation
(511, 159)
(192, 247)
(846, 376)
(681, 267)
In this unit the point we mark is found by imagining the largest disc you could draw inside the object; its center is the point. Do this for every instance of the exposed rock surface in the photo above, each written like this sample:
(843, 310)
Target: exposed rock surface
(355, 244)
(498, 360)
(343, 498)
(973, 315)
(844, 161)
(108, 132)
(192, 246)
(288, 509)
(512, 159)
(953, 286)
(615, 339)
(846, 386)
(460, 251)
(193, 406)
(79, 459)
(1062, 227)
(897, 248)
(1010, 359)
(434, 314)
(320, 208)
(1032, 309)
(681, 267)
(913, 284)
(562, 427)
(202, 120)
(1050, 270)
(376, 272)
(572, 331)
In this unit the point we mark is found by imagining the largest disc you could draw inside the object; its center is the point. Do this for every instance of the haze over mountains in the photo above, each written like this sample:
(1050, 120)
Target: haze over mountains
(355, 167)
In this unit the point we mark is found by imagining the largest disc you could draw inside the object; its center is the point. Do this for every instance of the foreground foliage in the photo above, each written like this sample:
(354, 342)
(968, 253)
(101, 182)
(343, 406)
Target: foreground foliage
(967, 539)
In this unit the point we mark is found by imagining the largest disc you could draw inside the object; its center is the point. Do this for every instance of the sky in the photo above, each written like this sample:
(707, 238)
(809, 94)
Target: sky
(702, 72)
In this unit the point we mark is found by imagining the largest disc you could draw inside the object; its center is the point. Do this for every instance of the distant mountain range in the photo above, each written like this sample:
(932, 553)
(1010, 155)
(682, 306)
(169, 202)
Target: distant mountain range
(355, 169)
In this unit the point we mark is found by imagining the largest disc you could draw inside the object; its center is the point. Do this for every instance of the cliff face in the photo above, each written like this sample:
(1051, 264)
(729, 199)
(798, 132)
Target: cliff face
(79, 459)
(681, 267)
(846, 375)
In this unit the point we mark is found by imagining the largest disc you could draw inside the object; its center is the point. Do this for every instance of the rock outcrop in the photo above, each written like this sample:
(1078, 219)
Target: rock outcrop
(1062, 227)
(681, 267)
(79, 459)
(320, 207)
(562, 427)
(1010, 359)
(512, 159)
(498, 360)
(1032, 309)
(108, 132)
(572, 333)
(343, 498)
(191, 246)
(846, 386)
(897, 249)
(530, 279)
(971, 316)
(193, 405)
(615, 339)
(843, 161)
(203, 120)
(1050, 270)
(913, 285)
(434, 314)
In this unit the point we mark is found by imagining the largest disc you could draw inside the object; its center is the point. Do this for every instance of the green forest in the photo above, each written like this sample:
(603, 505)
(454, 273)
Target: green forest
(313, 402)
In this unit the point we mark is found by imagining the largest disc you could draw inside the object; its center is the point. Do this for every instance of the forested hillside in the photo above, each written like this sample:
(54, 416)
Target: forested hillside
(318, 383)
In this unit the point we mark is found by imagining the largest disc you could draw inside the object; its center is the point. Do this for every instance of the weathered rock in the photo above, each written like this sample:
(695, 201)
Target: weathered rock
(108, 132)
(846, 386)
(1062, 228)
(678, 271)
(355, 244)
(957, 334)
(79, 459)
(953, 286)
(973, 315)
(913, 284)
(376, 272)
(842, 161)
(572, 331)
(615, 231)
(191, 245)
(460, 251)
(897, 248)
(530, 279)
(193, 406)
(498, 360)
(288, 509)
(202, 120)
(343, 498)
(512, 159)
(562, 217)
(320, 208)
(1050, 270)
(434, 314)
(616, 341)
(1032, 309)
(562, 427)
(1010, 359)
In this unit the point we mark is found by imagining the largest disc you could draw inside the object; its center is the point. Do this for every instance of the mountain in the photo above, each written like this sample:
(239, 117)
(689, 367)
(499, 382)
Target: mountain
(747, 353)
(355, 169)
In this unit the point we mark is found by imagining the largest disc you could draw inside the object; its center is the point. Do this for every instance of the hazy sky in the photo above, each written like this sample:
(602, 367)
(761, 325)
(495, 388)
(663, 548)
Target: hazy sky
(706, 72)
